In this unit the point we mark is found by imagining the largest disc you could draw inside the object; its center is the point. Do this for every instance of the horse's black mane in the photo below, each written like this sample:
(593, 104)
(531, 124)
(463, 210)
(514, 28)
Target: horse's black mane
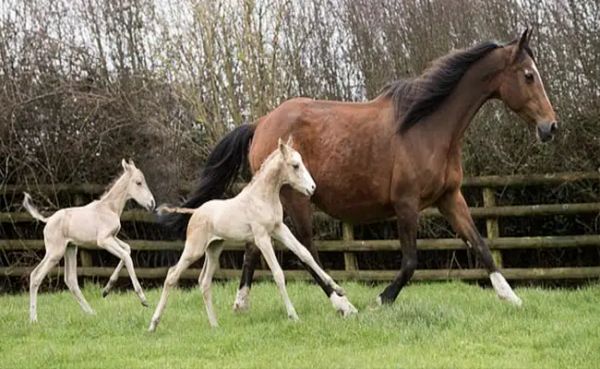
(415, 99)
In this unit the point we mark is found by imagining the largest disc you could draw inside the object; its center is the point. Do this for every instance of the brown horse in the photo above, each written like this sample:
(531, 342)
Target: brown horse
(391, 156)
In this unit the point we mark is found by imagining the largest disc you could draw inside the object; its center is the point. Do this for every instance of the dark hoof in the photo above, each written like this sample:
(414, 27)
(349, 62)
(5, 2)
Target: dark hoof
(145, 304)
(104, 293)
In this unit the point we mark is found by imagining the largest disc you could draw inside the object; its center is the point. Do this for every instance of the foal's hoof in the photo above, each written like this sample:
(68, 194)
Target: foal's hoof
(145, 303)
(105, 293)
(293, 317)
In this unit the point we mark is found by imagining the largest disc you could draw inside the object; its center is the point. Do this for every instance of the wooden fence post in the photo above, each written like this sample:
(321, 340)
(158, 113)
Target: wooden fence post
(350, 262)
(493, 230)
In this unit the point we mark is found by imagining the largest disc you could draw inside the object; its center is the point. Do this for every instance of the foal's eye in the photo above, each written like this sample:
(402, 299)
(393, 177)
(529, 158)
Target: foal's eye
(529, 77)
(139, 183)
(296, 166)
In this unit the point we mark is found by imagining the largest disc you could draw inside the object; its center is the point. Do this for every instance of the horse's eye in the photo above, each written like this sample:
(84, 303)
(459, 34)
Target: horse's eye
(139, 183)
(529, 77)
(296, 166)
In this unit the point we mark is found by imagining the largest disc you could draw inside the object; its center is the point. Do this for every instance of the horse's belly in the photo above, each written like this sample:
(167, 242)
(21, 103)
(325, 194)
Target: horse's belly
(353, 209)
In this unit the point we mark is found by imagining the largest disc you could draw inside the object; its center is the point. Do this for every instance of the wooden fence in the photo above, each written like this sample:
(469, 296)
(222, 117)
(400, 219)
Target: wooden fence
(349, 245)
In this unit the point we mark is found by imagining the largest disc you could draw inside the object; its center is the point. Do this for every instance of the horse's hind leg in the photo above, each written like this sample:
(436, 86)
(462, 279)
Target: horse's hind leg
(71, 278)
(54, 251)
(193, 250)
(251, 258)
(263, 241)
(211, 264)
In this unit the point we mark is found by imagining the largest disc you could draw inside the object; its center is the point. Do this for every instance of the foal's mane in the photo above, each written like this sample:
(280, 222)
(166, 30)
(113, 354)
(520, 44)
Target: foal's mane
(111, 184)
(417, 98)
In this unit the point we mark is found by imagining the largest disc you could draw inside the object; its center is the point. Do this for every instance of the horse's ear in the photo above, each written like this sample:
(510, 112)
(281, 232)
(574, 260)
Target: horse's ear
(125, 164)
(282, 148)
(290, 141)
(131, 162)
(522, 45)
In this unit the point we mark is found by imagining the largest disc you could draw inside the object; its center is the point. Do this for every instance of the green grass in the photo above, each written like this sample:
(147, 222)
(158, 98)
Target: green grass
(441, 325)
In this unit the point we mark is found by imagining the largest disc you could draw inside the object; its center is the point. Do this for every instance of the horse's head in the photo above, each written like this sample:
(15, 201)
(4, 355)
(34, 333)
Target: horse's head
(293, 171)
(522, 89)
(137, 188)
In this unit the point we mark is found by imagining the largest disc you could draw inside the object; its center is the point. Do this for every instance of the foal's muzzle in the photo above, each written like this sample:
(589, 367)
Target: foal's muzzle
(151, 205)
(545, 131)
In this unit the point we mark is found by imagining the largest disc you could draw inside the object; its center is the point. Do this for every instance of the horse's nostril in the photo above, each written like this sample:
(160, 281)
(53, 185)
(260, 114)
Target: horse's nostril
(553, 127)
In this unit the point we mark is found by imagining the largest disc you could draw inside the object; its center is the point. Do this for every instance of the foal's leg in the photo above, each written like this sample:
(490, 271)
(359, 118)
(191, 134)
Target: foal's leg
(454, 207)
(71, 278)
(211, 263)
(55, 248)
(263, 241)
(407, 215)
(338, 298)
(115, 275)
(192, 251)
(113, 246)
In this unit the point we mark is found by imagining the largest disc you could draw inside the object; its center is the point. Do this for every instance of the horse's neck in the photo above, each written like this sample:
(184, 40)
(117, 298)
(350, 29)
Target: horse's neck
(267, 183)
(116, 197)
(473, 90)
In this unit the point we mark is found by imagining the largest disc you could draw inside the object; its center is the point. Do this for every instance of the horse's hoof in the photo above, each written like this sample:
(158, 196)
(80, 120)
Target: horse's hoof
(342, 305)
(145, 303)
(377, 304)
(242, 302)
(293, 317)
(104, 293)
(339, 290)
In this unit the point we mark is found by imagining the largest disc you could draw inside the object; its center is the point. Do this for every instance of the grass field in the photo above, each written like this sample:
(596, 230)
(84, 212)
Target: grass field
(440, 325)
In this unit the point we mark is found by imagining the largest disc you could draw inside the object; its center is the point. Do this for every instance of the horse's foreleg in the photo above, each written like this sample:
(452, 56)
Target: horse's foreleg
(263, 241)
(71, 278)
(111, 245)
(408, 218)
(115, 274)
(338, 298)
(454, 207)
(36, 278)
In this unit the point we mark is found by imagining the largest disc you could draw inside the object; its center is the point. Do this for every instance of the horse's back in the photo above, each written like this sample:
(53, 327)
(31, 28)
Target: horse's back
(347, 148)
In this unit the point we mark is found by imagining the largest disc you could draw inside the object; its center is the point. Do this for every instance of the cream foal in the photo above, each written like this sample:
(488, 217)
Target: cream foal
(254, 215)
(96, 223)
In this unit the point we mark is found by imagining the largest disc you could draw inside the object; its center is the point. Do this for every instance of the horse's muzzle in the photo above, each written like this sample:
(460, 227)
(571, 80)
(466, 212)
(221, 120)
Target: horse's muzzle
(546, 131)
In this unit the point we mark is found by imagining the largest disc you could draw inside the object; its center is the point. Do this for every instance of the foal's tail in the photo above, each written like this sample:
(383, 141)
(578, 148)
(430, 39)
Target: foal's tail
(220, 170)
(32, 209)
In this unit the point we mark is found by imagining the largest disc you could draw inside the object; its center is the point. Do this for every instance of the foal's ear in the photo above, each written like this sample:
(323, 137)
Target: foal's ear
(125, 164)
(282, 148)
(290, 141)
(131, 162)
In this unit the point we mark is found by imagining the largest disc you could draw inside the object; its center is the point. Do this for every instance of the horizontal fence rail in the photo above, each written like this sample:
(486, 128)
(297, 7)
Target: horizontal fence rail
(349, 246)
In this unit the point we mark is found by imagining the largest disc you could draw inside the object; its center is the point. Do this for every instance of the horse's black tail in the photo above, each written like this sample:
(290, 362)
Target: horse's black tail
(220, 171)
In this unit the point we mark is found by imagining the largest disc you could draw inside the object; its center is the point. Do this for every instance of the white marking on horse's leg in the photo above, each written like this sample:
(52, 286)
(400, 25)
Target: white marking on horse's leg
(503, 289)
(71, 279)
(342, 305)
(242, 300)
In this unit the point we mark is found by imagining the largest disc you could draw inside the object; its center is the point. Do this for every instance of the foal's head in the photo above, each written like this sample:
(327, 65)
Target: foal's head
(521, 88)
(293, 172)
(137, 188)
